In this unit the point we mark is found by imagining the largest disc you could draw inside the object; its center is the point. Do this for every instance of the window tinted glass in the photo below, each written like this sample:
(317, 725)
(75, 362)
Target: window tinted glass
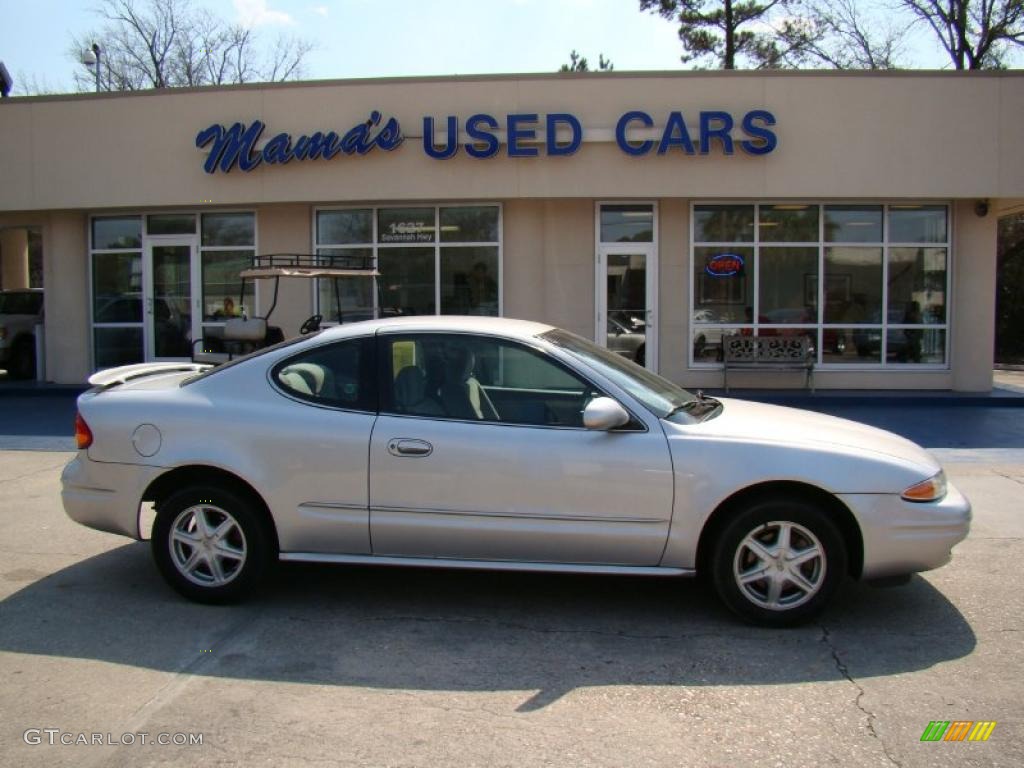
(627, 223)
(723, 223)
(853, 223)
(171, 224)
(116, 232)
(469, 224)
(469, 280)
(229, 229)
(344, 227)
(405, 225)
(789, 223)
(481, 379)
(917, 224)
(338, 374)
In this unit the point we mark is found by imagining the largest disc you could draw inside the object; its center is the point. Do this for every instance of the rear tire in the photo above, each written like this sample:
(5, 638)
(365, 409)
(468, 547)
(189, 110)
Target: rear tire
(212, 544)
(778, 562)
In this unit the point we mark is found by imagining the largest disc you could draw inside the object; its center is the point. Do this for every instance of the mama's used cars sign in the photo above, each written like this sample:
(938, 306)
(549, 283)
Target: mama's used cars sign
(482, 136)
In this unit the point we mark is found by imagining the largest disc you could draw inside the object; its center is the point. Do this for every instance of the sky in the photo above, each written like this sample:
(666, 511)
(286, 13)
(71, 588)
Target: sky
(382, 38)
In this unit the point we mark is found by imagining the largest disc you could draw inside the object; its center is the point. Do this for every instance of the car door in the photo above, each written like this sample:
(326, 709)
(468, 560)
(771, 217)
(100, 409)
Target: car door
(479, 452)
(315, 466)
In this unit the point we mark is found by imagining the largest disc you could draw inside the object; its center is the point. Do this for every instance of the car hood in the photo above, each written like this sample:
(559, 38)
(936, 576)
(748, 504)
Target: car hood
(777, 425)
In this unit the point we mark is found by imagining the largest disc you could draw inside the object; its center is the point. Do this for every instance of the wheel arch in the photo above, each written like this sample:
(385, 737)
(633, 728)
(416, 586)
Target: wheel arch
(840, 513)
(194, 474)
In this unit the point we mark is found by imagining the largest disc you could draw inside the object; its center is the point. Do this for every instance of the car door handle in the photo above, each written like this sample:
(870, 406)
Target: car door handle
(400, 446)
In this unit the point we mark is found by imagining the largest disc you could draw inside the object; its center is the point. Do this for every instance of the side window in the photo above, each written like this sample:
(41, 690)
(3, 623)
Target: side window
(480, 379)
(339, 375)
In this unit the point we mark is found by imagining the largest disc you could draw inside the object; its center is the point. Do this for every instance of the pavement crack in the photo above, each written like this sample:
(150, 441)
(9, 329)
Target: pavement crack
(826, 637)
(1009, 477)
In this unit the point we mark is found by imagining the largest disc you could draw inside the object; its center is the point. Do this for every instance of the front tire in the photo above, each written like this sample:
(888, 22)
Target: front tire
(210, 544)
(778, 562)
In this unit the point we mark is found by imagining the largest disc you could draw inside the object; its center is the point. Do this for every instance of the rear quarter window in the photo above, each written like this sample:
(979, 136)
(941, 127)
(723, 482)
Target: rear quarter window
(339, 375)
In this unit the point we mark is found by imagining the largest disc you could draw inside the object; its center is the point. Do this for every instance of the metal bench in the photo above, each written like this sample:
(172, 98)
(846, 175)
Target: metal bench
(792, 353)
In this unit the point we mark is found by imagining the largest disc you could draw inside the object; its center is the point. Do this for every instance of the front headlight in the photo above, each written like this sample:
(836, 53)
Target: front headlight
(932, 489)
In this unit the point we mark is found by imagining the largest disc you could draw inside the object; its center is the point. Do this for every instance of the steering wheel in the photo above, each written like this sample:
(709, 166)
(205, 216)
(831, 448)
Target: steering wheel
(311, 324)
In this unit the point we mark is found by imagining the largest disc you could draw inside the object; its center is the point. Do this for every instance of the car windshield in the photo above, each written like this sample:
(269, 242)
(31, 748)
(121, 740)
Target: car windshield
(20, 303)
(660, 395)
(256, 353)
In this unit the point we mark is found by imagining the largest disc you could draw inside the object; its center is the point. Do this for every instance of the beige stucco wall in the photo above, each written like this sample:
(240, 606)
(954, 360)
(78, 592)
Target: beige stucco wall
(888, 135)
(285, 229)
(842, 136)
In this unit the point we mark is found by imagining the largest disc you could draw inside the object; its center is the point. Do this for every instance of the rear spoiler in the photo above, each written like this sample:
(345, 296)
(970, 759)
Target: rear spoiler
(111, 377)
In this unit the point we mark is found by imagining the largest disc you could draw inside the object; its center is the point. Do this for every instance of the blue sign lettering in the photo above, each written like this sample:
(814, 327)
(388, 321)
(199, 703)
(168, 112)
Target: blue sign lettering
(620, 133)
(553, 121)
(481, 135)
(236, 146)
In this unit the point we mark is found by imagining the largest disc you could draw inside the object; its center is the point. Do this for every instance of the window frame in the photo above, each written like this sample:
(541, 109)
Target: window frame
(385, 376)
(375, 247)
(145, 240)
(819, 328)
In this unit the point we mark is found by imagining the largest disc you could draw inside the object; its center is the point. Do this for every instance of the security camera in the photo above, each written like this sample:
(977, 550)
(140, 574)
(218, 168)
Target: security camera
(6, 82)
(981, 209)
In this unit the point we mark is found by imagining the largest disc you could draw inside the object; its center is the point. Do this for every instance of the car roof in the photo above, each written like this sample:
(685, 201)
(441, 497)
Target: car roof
(494, 326)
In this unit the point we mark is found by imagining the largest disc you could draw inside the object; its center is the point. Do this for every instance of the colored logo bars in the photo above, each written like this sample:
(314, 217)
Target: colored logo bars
(958, 730)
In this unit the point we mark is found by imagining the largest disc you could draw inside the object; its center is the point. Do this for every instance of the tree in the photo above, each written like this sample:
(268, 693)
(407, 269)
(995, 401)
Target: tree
(977, 34)
(579, 63)
(729, 31)
(845, 35)
(168, 43)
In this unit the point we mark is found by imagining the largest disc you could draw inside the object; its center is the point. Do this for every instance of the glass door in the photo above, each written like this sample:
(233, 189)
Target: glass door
(625, 303)
(170, 293)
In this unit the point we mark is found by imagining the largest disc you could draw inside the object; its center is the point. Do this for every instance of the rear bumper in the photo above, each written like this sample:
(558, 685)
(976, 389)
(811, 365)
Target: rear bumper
(902, 537)
(105, 496)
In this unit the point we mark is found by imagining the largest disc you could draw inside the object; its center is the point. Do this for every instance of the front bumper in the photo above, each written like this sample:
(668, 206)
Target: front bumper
(105, 496)
(902, 537)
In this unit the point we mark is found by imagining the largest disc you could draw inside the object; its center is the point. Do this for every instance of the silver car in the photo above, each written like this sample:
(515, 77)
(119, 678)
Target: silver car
(502, 444)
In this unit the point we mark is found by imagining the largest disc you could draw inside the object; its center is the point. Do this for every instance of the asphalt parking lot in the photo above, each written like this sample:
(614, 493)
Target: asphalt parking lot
(359, 666)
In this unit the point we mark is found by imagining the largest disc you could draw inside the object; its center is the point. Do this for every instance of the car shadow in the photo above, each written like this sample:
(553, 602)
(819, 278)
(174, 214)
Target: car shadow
(437, 630)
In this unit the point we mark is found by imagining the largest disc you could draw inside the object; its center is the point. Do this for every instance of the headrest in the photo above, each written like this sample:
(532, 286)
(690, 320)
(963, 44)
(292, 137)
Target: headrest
(245, 329)
(410, 386)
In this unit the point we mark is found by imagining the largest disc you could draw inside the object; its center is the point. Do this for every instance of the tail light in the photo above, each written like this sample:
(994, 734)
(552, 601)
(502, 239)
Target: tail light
(83, 435)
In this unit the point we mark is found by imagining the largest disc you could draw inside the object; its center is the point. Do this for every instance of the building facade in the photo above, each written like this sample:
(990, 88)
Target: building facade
(654, 213)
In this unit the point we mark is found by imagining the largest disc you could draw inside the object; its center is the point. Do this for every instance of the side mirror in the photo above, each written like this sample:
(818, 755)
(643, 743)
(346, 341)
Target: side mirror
(604, 413)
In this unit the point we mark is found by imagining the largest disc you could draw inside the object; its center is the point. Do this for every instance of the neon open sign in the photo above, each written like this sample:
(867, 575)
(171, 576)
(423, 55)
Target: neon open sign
(724, 265)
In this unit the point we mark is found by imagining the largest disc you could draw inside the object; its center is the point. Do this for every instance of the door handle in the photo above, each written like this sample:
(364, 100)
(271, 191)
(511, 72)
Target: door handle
(401, 446)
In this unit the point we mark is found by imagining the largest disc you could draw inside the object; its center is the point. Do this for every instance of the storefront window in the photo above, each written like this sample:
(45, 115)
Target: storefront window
(117, 290)
(469, 224)
(723, 224)
(788, 224)
(627, 223)
(853, 223)
(229, 229)
(222, 286)
(859, 290)
(171, 224)
(917, 224)
(110, 232)
(418, 275)
(345, 227)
